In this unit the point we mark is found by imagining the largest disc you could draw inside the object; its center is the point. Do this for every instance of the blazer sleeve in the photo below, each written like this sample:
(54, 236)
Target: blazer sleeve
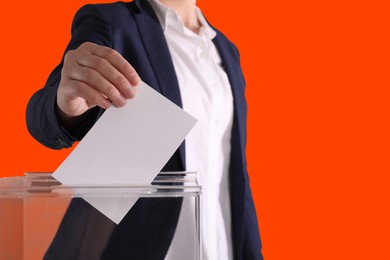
(89, 25)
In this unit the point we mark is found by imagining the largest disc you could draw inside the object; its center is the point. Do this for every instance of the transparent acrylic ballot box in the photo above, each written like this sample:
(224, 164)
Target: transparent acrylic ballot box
(42, 219)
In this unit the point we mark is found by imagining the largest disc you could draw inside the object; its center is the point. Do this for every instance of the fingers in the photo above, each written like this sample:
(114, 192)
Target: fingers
(116, 60)
(91, 95)
(111, 65)
(95, 75)
(98, 83)
(109, 73)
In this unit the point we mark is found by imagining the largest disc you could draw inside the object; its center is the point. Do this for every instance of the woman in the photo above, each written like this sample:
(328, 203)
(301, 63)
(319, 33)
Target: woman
(170, 46)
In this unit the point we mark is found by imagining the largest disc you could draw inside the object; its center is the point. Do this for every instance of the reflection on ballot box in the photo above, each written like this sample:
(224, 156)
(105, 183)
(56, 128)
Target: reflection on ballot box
(42, 219)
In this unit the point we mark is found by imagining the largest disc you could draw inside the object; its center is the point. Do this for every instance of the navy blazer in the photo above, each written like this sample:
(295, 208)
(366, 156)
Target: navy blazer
(134, 31)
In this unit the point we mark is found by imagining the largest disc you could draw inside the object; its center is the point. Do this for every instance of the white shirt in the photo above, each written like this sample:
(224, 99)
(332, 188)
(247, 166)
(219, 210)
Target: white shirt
(206, 95)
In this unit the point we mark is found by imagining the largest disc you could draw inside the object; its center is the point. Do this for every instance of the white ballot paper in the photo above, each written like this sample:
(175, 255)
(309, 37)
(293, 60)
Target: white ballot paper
(126, 146)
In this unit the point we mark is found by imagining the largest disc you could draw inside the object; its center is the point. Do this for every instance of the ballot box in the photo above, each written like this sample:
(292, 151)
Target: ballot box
(42, 219)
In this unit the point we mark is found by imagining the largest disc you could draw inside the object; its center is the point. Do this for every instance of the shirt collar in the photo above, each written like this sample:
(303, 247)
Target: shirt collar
(169, 18)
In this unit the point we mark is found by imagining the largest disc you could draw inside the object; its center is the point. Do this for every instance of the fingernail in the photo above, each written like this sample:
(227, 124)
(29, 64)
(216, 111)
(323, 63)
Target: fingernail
(137, 83)
(133, 91)
(121, 101)
(129, 93)
(106, 104)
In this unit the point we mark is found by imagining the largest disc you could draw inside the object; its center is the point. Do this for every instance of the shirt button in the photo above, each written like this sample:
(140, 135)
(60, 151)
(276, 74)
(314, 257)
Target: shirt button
(202, 55)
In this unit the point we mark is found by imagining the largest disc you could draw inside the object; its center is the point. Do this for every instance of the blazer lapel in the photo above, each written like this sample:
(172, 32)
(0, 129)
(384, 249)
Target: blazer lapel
(233, 70)
(237, 167)
(160, 59)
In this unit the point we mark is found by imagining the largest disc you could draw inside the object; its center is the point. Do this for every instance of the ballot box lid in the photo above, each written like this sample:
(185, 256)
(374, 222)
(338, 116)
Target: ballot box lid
(42, 184)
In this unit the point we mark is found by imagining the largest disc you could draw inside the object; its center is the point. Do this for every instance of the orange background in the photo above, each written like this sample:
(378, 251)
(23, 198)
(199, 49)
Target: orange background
(318, 129)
